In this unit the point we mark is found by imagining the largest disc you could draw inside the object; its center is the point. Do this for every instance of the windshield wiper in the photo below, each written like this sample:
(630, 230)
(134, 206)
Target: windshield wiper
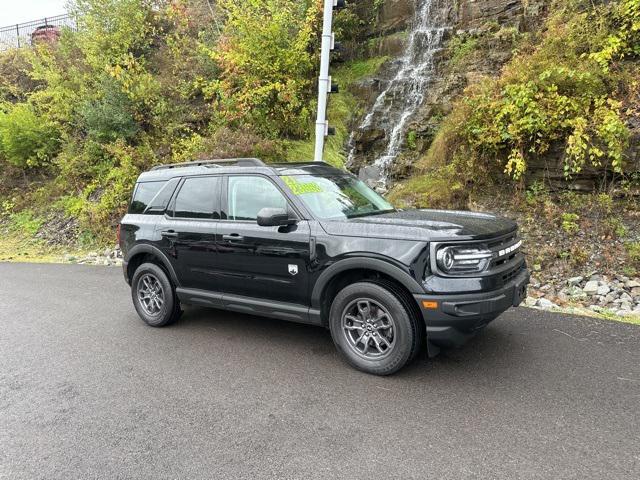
(369, 214)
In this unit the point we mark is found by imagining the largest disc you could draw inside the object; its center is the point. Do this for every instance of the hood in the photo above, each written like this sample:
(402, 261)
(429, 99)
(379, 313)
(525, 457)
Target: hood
(423, 225)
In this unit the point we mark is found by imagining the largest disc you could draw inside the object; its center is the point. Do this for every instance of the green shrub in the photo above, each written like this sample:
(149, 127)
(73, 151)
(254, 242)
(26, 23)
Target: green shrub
(7, 207)
(537, 192)
(109, 118)
(267, 66)
(79, 163)
(14, 77)
(25, 222)
(633, 249)
(461, 47)
(412, 139)
(347, 25)
(553, 93)
(27, 140)
(440, 188)
(72, 206)
(110, 31)
(570, 223)
(526, 117)
(605, 202)
(616, 227)
(625, 38)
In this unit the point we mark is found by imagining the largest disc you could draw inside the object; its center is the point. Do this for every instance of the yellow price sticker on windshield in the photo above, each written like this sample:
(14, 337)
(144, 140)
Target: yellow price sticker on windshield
(300, 188)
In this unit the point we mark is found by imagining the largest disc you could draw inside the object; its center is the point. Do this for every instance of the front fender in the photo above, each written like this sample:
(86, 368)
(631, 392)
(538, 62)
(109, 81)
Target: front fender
(360, 263)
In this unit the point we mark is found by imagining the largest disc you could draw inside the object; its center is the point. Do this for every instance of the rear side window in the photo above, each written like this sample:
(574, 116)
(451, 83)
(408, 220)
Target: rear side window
(143, 194)
(198, 198)
(158, 205)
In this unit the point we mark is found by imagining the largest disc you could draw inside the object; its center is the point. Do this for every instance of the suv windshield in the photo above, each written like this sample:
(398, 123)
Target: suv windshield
(337, 196)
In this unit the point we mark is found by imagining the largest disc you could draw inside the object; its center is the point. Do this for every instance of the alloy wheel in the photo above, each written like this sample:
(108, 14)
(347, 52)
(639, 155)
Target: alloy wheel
(150, 294)
(369, 328)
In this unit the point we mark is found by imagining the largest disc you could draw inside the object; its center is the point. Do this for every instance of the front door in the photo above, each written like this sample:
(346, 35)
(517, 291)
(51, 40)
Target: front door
(270, 263)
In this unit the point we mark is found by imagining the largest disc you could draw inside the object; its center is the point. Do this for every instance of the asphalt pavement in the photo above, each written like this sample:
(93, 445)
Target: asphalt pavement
(88, 391)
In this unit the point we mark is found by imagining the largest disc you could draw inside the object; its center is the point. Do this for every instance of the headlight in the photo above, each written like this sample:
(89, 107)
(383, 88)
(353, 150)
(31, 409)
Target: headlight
(446, 259)
(454, 260)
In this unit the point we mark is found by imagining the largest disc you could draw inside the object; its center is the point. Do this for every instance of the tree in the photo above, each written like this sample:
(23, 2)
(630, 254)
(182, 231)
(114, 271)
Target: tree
(267, 65)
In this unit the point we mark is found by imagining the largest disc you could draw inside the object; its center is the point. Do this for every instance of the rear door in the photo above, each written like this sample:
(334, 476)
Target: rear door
(270, 263)
(188, 231)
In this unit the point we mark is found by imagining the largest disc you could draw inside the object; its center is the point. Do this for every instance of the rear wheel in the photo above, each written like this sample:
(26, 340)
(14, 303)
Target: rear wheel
(372, 329)
(154, 296)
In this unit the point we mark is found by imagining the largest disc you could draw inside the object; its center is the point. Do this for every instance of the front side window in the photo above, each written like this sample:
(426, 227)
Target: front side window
(198, 198)
(337, 197)
(246, 196)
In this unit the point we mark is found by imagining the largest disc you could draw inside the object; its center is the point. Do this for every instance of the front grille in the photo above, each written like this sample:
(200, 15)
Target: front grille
(503, 242)
(504, 260)
(506, 252)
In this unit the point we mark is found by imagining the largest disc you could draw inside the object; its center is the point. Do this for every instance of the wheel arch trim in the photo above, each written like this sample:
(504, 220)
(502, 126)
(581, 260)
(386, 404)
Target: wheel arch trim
(156, 252)
(362, 263)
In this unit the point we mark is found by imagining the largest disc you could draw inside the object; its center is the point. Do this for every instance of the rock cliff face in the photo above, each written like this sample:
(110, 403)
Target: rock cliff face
(393, 16)
(475, 14)
(390, 35)
(389, 25)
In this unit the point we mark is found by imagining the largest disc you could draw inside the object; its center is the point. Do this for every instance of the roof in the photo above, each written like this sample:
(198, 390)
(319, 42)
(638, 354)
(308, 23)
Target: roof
(164, 172)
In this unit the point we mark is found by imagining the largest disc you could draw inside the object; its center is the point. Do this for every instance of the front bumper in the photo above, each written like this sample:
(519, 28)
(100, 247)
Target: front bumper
(456, 318)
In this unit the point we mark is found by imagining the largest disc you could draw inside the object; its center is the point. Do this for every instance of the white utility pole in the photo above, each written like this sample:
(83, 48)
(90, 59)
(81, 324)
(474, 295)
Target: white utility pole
(324, 85)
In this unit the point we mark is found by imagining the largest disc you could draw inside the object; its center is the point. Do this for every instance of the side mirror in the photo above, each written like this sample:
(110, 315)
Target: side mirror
(274, 217)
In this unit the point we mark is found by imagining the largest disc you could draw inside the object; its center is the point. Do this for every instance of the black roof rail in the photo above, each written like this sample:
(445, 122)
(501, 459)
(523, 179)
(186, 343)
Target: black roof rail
(230, 162)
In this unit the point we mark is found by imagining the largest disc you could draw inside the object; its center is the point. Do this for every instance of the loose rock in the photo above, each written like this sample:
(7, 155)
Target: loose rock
(574, 281)
(591, 288)
(546, 304)
(626, 297)
(625, 306)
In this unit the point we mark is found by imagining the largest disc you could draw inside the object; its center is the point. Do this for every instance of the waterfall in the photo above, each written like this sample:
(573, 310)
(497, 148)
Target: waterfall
(406, 91)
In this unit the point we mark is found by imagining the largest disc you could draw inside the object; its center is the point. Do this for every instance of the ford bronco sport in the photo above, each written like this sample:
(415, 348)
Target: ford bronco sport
(313, 244)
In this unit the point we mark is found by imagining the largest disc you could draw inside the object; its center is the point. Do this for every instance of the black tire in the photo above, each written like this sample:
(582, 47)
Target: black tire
(164, 308)
(402, 336)
(406, 300)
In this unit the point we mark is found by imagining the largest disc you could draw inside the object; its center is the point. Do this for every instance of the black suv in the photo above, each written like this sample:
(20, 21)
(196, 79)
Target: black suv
(313, 244)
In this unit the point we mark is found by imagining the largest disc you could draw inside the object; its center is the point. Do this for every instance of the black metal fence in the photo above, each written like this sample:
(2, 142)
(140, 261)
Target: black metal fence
(20, 35)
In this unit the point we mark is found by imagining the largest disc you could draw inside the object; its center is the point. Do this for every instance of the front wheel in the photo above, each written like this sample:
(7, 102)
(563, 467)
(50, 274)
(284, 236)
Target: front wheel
(153, 296)
(372, 329)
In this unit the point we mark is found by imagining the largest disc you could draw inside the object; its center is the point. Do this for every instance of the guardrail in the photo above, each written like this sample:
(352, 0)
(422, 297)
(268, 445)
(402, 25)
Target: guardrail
(22, 34)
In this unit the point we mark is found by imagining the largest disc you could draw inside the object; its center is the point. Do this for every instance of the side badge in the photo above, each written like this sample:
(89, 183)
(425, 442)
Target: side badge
(293, 269)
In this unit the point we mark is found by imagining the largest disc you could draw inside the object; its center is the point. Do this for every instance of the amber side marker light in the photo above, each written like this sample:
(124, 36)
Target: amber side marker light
(430, 305)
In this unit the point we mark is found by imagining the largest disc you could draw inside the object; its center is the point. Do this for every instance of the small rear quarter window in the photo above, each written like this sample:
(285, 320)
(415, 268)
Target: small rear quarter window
(144, 193)
(158, 205)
